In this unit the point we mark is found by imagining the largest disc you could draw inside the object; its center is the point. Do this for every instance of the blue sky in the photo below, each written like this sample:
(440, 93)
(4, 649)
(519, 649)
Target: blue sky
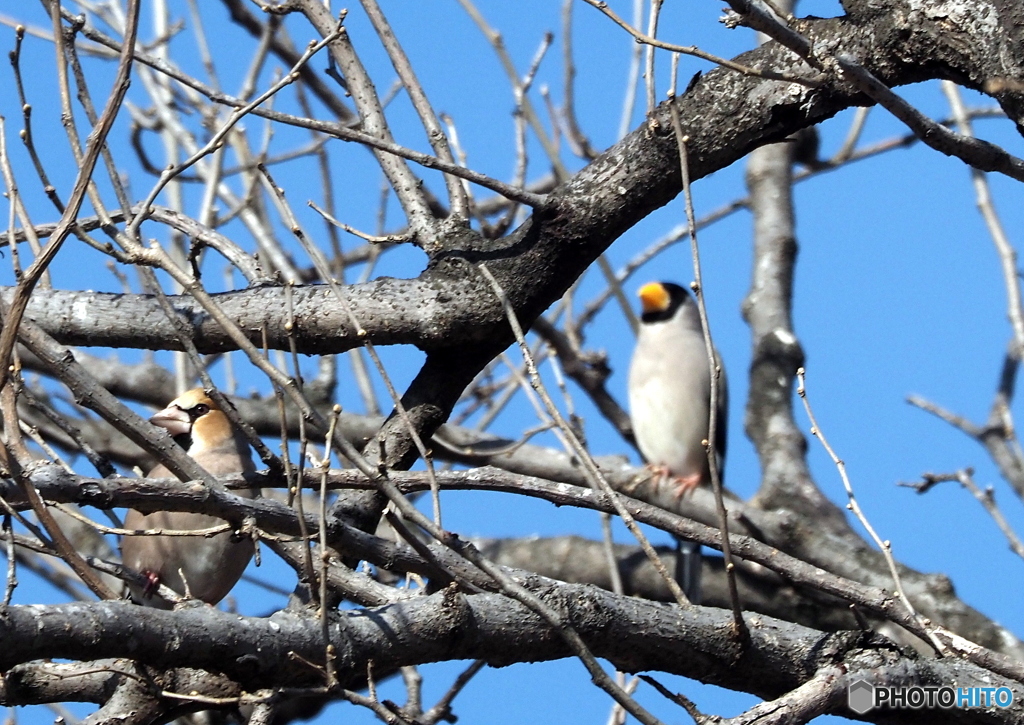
(898, 291)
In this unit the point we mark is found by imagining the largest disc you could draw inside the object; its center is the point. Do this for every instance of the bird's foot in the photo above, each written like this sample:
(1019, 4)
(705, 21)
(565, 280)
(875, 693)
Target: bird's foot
(685, 484)
(659, 474)
(152, 582)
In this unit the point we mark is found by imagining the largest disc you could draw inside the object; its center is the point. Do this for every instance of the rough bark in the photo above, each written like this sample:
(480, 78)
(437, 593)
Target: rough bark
(450, 312)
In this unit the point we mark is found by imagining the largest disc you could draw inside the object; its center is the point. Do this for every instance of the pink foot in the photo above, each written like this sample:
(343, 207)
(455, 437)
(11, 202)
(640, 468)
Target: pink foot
(686, 484)
(659, 473)
(683, 484)
(152, 582)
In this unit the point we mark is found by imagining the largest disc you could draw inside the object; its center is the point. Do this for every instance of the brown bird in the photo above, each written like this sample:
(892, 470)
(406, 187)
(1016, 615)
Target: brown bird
(209, 567)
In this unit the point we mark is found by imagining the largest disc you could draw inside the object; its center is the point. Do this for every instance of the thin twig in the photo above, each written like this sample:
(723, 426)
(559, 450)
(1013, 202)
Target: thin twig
(986, 497)
(952, 418)
(633, 78)
(697, 52)
(860, 117)
(407, 187)
(97, 139)
(332, 680)
(371, 238)
(1007, 254)
(854, 506)
(320, 262)
(12, 571)
(678, 698)
(217, 139)
(100, 462)
(593, 473)
(974, 152)
(573, 134)
(442, 709)
(739, 626)
(14, 456)
(496, 41)
(652, 30)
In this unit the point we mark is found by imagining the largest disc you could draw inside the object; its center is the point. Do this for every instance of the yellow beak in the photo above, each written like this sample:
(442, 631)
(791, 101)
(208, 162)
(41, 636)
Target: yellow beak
(654, 297)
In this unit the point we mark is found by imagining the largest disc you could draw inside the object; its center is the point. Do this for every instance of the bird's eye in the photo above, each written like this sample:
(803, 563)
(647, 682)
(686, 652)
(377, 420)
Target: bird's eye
(201, 409)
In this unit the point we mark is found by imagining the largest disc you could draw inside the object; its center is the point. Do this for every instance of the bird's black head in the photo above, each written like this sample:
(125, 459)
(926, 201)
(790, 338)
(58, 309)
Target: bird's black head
(660, 301)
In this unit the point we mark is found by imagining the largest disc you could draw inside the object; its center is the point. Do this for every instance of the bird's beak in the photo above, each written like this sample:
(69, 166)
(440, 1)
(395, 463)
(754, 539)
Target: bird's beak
(174, 420)
(654, 297)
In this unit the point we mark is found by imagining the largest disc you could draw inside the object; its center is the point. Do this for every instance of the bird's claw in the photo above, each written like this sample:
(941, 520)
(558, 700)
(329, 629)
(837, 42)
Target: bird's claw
(152, 582)
(659, 473)
(684, 484)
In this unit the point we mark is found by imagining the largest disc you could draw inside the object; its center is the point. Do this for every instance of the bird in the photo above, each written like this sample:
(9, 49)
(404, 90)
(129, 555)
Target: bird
(670, 387)
(805, 148)
(670, 402)
(203, 568)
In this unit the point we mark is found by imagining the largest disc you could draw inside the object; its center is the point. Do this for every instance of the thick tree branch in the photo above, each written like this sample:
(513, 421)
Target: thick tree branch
(55, 484)
(631, 633)
(725, 116)
(450, 314)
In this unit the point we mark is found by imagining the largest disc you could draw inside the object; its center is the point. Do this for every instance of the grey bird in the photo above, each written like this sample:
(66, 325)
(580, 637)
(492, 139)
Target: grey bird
(207, 568)
(670, 402)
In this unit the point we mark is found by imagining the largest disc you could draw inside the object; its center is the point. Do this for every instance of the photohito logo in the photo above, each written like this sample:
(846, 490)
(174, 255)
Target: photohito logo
(863, 696)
